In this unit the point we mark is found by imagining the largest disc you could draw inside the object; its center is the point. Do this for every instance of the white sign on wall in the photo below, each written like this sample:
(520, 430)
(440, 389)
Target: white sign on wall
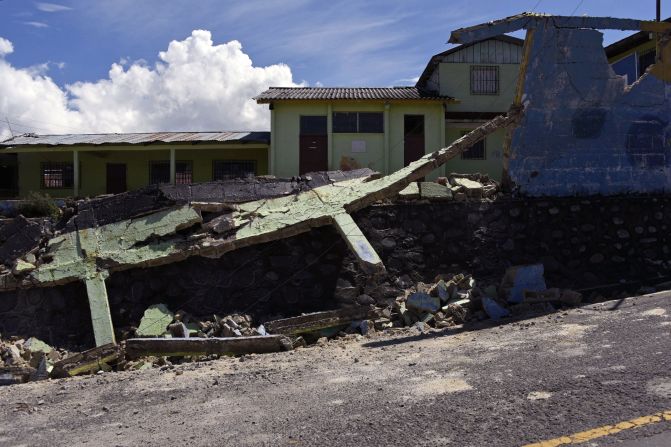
(358, 146)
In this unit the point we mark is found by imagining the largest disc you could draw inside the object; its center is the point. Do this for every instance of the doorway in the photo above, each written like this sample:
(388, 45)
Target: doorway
(116, 178)
(313, 142)
(413, 146)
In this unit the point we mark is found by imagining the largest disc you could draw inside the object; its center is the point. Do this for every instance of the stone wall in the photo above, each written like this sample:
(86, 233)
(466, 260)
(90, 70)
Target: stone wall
(582, 243)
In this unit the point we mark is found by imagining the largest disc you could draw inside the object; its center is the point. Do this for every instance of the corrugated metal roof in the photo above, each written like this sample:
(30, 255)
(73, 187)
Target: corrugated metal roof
(346, 93)
(136, 138)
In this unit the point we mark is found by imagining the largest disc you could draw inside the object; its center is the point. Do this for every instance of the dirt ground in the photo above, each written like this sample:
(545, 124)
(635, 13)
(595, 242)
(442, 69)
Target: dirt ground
(505, 385)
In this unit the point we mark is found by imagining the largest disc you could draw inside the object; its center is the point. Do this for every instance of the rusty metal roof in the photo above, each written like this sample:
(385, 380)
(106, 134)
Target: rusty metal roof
(136, 138)
(346, 93)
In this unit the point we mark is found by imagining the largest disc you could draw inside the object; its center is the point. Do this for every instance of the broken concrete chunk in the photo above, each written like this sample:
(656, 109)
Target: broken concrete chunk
(179, 330)
(434, 191)
(441, 290)
(220, 224)
(520, 278)
(22, 266)
(542, 296)
(411, 192)
(471, 188)
(422, 302)
(570, 297)
(155, 321)
(457, 312)
(15, 374)
(11, 355)
(33, 345)
(493, 309)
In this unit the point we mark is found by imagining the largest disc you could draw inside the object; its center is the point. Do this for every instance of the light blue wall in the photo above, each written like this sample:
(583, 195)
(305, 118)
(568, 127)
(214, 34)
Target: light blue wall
(583, 132)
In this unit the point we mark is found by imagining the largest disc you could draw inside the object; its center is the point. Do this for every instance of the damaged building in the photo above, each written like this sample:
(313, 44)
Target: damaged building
(382, 249)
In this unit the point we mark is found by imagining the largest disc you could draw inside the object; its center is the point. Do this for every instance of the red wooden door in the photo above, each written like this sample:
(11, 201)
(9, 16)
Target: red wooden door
(116, 178)
(313, 153)
(413, 147)
(313, 145)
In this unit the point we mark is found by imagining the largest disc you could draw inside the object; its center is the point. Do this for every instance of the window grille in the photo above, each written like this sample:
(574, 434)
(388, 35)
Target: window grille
(56, 175)
(484, 80)
(159, 172)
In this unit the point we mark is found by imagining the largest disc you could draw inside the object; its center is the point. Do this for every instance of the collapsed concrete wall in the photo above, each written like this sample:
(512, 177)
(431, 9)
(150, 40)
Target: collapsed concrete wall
(582, 243)
(165, 226)
(584, 130)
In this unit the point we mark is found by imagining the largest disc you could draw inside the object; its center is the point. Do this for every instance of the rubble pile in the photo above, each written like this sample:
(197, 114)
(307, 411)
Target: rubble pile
(163, 338)
(454, 299)
(455, 187)
(22, 360)
(159, 321)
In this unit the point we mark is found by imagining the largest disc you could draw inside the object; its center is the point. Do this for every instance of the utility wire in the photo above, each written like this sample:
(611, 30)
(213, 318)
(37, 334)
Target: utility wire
(577, 7)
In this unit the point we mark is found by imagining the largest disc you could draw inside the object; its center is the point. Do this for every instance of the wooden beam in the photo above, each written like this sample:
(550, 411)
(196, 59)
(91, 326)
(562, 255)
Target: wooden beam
(315, 321)
(88, 361)
(182, 347)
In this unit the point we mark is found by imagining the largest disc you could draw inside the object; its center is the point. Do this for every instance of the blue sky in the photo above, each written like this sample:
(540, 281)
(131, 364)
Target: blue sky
(337, 42)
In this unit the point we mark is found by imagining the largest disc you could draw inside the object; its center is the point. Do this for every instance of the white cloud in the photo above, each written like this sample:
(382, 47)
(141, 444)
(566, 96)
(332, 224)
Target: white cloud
(6, 47)
(51, 7)
(37, 24)
(195, 85)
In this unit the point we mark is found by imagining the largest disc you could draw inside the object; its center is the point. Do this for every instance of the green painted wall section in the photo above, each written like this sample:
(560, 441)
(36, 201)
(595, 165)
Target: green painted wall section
(455, 81)
(493, 162)
(286, 131)
(287, 127)
(93, 164)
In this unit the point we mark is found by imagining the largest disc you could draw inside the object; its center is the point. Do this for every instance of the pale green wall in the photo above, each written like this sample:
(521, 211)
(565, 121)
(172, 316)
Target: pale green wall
(373, 158)
(455, 81)
(93, 163)
(286, 133)
(433, 140)
(285, 136)
(493, 163)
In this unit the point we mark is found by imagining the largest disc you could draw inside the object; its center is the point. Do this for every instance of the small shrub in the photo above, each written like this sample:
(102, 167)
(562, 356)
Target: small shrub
(38, 205)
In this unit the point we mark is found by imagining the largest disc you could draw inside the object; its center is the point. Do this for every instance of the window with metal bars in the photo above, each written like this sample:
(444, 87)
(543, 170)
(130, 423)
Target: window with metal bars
(230, 169)
(476, 152)
(484, 80)
(56, 175)
(159, 172)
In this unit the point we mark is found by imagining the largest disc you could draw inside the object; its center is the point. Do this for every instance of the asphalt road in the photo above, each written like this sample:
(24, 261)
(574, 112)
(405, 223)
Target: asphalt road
(600, 373)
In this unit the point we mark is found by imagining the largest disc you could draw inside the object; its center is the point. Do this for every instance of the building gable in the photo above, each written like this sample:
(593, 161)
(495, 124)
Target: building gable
(497, 50)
